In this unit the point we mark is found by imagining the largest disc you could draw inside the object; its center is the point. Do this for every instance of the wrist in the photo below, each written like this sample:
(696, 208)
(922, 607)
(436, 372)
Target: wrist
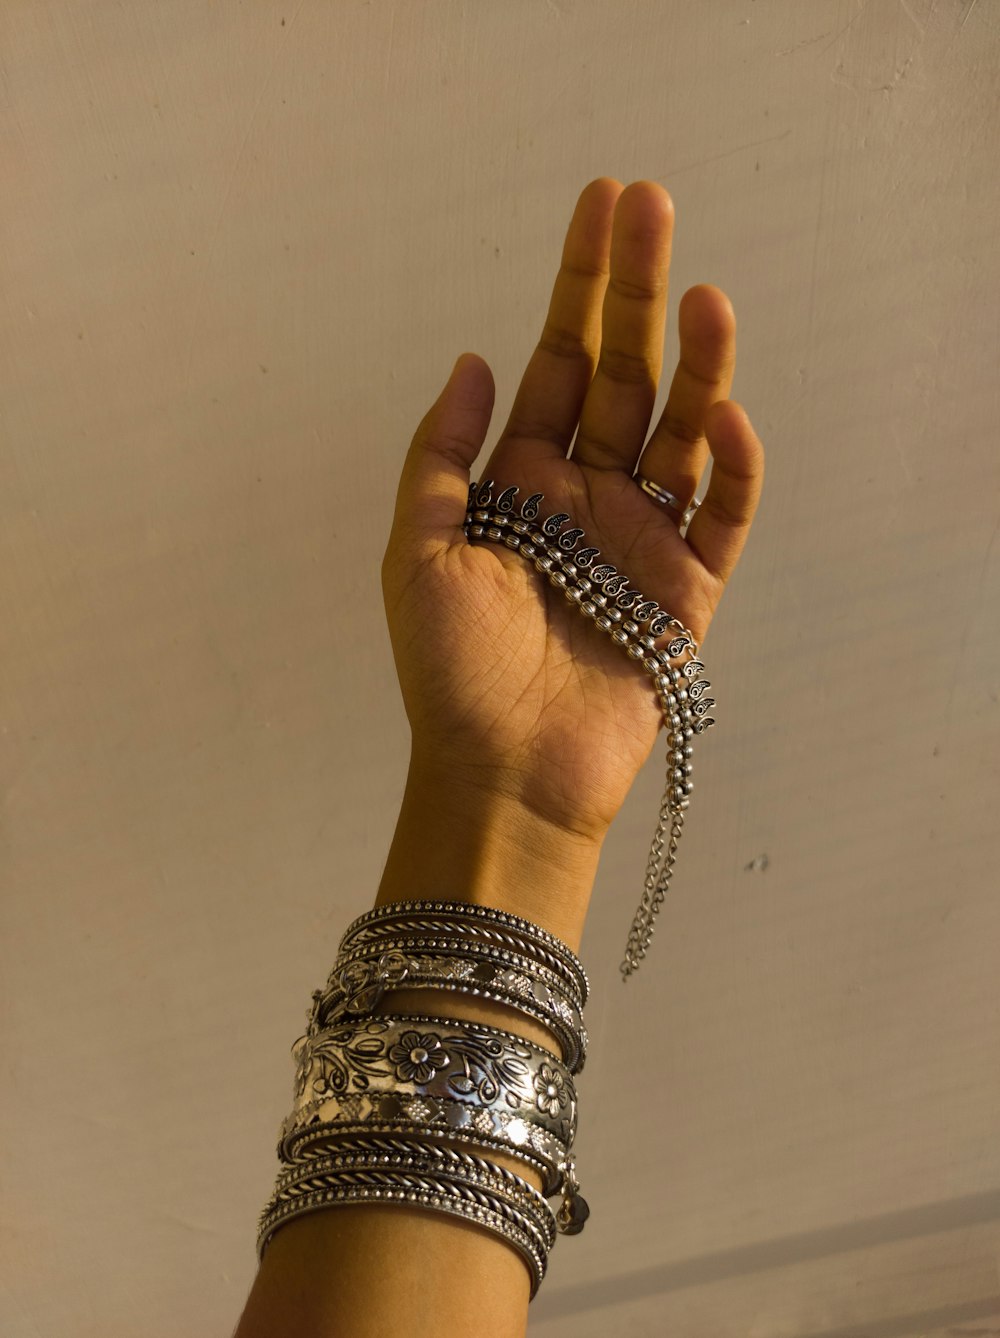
(459, 840)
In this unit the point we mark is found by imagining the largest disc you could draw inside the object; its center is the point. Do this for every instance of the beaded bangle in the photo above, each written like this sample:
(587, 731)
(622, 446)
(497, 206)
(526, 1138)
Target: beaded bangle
(478, 1206)
(472, 921)
(481, 970)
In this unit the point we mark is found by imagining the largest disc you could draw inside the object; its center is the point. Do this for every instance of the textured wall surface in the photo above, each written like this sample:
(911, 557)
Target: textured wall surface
(242, 245)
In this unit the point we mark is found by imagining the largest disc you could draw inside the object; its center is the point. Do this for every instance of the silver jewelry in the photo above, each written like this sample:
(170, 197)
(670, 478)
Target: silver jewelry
(472, 921)
(357, 984)
(425, 1191)
(384, 1167)
(367, 1153)
(660, 494)
(316, 1128)
(601, 595)
(413, 1059)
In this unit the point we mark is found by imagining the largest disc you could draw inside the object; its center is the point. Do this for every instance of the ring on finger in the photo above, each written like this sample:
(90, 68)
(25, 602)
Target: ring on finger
(660, 494)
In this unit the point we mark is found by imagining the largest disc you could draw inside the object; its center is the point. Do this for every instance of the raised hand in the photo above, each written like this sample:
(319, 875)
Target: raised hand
(506, 685)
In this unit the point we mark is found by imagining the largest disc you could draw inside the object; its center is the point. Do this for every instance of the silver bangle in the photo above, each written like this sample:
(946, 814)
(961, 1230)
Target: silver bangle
(451, 938)
(483, 1068)
(355, 986)
(296, 1181)
(355, 1150)
(317, 1128)
(471, 920)
(479, 1207)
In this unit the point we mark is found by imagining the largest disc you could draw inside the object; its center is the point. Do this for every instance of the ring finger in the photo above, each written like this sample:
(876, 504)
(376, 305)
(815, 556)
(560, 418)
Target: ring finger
(677, 452)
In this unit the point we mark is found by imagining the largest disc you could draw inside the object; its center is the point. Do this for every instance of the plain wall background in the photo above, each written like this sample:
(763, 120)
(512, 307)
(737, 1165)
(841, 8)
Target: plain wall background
(242, 245)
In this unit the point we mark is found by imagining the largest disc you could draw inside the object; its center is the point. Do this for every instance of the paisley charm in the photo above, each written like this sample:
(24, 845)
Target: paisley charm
(529, 509)
(572, 1215)
(485, 494)
(660, 623)
(473, 489)
(678, 646)
(551, 526)
(505, 502)
(586, 556)
(626, 600)
(616, 585)
(693, 668)
(569, 538)
(645, 611)
(702, 707)
(602, 574)
(698, 690)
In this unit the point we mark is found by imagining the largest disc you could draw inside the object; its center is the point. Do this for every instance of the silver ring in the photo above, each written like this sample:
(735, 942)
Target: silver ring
(660, 494)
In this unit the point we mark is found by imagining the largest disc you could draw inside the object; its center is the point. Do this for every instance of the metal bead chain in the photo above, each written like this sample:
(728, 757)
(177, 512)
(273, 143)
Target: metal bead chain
(490, 521)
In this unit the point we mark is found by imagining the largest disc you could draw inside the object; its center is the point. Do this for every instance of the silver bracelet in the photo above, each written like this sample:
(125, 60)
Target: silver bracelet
(357, 985)
(452, 938)
(307, 1129)
(319, 1126)
(488, 1070)
(471, 921)
(479, 1207)
(369, 1152)
(601, 595)
(296, 1181)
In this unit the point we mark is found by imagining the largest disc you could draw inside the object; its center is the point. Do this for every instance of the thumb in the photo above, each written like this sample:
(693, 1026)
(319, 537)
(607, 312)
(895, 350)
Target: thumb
(433, 489)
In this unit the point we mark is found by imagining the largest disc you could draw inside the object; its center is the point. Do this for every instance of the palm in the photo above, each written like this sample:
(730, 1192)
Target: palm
(500, 674)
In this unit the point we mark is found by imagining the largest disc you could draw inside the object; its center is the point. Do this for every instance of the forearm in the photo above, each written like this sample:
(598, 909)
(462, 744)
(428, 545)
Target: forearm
(367, 1270)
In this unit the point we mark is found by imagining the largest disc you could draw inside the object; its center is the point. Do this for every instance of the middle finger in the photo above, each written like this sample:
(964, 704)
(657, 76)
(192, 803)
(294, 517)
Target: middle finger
(619, 402)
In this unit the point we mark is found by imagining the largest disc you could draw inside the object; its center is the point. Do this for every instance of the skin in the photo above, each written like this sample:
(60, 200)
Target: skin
(528, 725)
(514, 685)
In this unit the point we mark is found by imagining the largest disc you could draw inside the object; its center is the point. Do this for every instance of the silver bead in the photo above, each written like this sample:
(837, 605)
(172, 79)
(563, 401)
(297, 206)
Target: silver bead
(584, 585)
(619, 636)
(574, 593)
(559, 578)
(603, 622)
(493, 532)
(589, 608)
(528, 550)
(601, 601)
(631, 627)
(648, 641)
(513, 541)
(634, 651)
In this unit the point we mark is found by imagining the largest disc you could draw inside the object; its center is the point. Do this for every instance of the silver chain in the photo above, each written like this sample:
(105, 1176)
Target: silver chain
(601, 594)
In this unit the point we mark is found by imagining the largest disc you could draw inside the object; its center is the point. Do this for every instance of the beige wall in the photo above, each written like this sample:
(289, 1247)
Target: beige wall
(242, 246)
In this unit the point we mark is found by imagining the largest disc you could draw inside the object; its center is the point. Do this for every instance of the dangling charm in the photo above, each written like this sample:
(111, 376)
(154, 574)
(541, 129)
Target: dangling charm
(574, 1209)
(529, 509)
(485, 494)
(505, 502)
(569, 538)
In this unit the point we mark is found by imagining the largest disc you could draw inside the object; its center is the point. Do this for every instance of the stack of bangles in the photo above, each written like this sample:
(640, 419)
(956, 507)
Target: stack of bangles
(381, 1098)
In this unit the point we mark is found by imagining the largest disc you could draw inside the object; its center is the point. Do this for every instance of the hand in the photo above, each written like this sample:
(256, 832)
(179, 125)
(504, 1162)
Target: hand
(506, 685)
